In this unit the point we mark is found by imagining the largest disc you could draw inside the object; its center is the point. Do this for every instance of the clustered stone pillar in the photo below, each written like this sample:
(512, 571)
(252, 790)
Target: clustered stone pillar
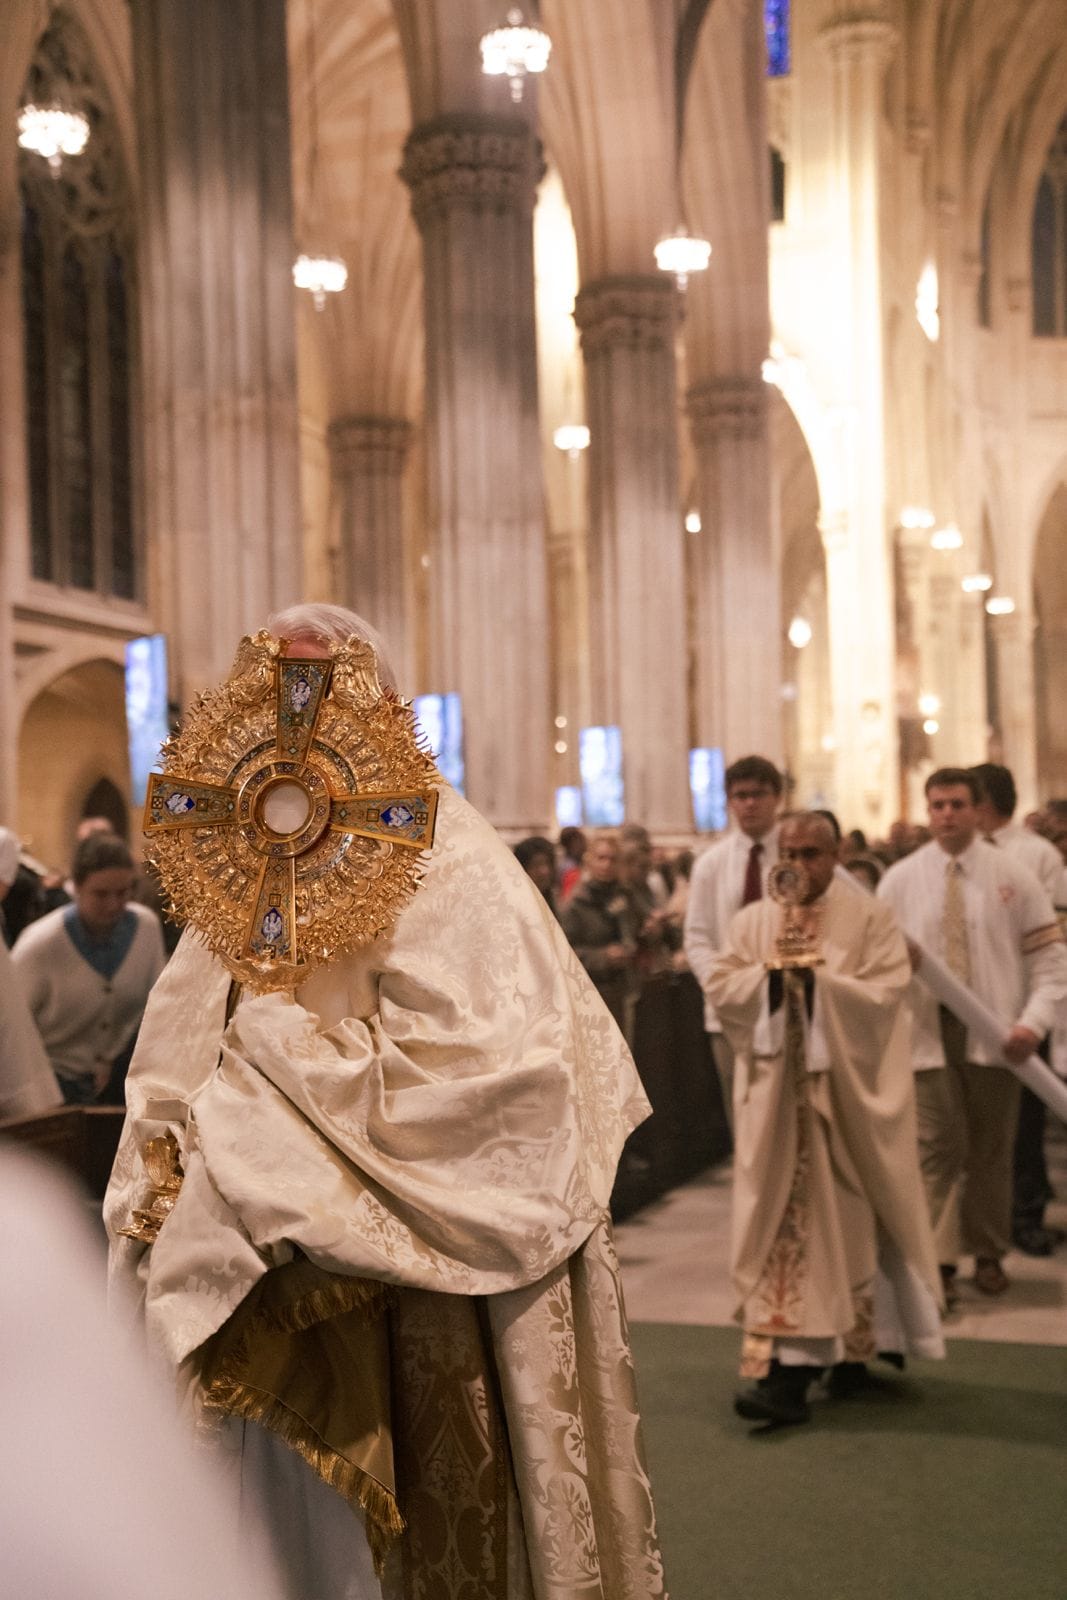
(738, 685)
(367, 456)
(220, 354)
(1013, 638)
(856, 533)
(473, 181)
(637, 629)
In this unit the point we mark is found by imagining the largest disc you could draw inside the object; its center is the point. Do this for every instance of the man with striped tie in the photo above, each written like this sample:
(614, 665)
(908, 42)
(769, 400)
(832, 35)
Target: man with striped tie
(986, 916)
(732, 874)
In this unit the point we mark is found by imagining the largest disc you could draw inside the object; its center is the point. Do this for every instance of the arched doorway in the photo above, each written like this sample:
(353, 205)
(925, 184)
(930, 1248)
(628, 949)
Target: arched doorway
(105, 799)
(72, 741)
(1050, 645)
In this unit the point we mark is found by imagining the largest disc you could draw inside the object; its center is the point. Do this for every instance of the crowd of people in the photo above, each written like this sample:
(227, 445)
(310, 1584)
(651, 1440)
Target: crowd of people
(944, 1115)
(85, 953)
(403, 1168)
(930, 1122)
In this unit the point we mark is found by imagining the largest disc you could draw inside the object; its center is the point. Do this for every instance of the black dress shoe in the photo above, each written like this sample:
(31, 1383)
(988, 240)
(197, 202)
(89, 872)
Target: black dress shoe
(1034, 1241)
(781, 1398)
(848, 1378)
(948, 1287)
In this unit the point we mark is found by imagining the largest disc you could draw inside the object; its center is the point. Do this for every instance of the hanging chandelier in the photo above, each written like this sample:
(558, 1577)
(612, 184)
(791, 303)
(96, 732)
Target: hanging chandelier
(319, 273)
(53, 131)
(681, 253)
(322, 275)
(572, 438)
(514, 52)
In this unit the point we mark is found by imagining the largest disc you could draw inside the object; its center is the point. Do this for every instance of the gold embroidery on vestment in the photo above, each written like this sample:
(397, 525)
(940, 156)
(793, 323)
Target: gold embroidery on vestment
(777, 1305)
(164, 1170)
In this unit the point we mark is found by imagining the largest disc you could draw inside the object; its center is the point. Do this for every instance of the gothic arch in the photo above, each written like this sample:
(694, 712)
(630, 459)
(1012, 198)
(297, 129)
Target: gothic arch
(72, 735)
(1050, 640)
(618, 171)
(726, 181)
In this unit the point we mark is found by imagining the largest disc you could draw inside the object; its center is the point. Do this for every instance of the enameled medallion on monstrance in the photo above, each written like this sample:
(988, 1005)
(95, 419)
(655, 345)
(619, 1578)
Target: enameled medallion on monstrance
(290, 819)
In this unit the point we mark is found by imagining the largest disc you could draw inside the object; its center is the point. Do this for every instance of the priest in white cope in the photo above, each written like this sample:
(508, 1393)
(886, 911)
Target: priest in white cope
(389, 1263)
(833, 1259)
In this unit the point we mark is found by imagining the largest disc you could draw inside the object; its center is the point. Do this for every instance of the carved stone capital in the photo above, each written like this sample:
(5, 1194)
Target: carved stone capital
(635, 313)
(727, 408)
(473, 163)
(948, 207)
(834, 531)
(1019, 294)
(1014, 631)
(861, 37)
(369, 444)
(971, 268)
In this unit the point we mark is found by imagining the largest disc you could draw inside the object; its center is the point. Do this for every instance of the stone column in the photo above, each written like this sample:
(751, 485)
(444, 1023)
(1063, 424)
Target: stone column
(367, 458)
(637, 634)
(220, 358)
(1013, 638)
(473, 180)
(738, 688)
(859, 569)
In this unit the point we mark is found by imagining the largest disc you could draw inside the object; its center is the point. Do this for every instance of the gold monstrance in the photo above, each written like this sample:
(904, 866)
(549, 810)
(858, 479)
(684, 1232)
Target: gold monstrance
(290, 819)
(797, 944)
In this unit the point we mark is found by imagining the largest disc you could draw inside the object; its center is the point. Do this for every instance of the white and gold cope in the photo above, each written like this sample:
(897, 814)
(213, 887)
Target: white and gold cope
(289, 821)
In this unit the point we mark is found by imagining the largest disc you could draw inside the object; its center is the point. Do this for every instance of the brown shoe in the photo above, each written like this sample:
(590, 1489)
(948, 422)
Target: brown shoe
(989, 1275)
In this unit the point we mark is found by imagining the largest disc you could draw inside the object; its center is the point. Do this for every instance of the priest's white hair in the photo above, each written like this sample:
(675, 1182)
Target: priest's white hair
(332, 625)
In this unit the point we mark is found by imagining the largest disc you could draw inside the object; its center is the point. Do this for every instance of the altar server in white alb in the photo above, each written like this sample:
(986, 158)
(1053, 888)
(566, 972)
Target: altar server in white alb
(1031, 1189)
(86, 969)
(729, 875)
(988, 919)
(833, 1261)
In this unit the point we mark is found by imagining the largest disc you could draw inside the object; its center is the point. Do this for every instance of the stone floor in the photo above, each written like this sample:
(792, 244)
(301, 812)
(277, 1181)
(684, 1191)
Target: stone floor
(675, 1260)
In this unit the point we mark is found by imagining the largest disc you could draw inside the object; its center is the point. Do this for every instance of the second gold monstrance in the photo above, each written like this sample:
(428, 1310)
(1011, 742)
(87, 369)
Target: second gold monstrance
(289, 822)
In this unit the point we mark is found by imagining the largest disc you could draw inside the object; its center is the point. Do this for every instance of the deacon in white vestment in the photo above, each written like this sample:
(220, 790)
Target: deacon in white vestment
(1031, 1188)
(826, 1177)
(389, 1245)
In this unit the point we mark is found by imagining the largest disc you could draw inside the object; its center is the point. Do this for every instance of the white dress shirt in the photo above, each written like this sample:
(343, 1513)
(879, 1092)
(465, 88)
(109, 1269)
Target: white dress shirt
(1042, 857)
(1020, 978)
(716, 889)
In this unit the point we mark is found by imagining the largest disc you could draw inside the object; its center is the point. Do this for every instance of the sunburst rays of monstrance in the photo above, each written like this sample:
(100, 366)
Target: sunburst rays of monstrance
(289, 821)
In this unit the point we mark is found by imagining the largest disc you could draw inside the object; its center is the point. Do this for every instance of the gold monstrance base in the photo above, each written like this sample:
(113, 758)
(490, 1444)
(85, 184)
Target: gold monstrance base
(290, 819)
(796, 945)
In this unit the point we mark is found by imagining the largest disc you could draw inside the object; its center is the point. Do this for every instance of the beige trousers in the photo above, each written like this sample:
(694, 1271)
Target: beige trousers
(967, 1118)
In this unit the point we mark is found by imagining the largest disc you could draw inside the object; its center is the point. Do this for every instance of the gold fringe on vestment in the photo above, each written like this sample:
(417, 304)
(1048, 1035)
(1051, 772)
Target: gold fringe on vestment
(281, 1305)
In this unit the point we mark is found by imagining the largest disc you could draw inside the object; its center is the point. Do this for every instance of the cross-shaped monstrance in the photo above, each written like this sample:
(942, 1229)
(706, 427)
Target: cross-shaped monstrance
(283, 804)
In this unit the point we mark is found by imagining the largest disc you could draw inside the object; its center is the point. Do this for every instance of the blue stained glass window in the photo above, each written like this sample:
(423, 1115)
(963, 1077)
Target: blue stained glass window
(776, 27)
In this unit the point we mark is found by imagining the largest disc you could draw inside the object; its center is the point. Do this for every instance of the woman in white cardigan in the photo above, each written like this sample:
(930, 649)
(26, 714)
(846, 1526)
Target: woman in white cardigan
(86, 969)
